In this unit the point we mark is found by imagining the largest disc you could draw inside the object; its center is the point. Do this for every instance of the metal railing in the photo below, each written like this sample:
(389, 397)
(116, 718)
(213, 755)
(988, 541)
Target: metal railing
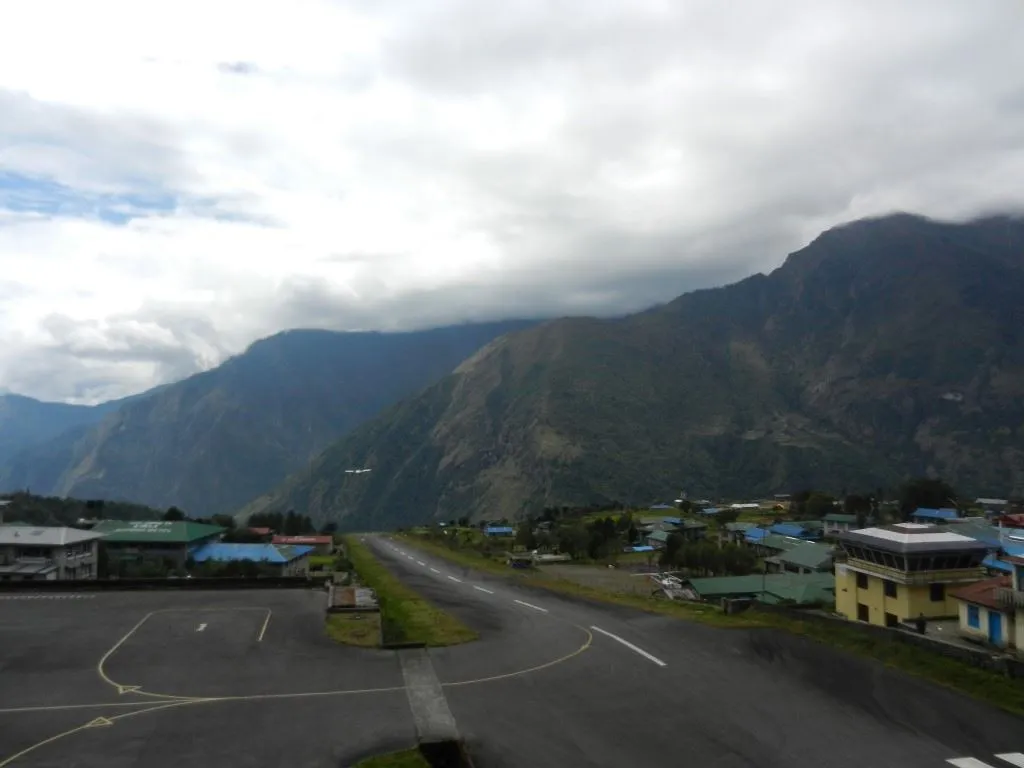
(946, 576)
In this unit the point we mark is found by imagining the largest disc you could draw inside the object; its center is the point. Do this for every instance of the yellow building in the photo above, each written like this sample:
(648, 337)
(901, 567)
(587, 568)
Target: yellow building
(900, 572)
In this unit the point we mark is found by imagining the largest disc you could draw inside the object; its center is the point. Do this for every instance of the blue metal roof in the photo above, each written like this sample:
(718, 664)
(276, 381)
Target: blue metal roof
(795, 530)
(643, 549)
(672, 520)
(996, 564)
(944, 513)
(266, 553)
(662, 506)
(710, 511)
(499, 529)
(755, 534)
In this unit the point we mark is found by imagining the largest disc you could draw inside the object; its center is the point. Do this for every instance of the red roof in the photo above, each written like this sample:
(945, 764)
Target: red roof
(261, 531)
(1013, 521)
(314, 540)
(983, 592)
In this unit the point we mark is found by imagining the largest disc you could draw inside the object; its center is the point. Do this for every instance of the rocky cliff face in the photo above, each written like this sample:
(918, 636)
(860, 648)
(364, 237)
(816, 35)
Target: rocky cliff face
(885, 348)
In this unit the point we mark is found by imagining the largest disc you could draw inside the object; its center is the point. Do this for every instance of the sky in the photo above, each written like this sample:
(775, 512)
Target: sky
(178, 179)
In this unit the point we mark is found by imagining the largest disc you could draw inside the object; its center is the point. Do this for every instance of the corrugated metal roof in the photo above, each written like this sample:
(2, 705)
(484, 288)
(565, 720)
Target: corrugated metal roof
(996, 564)
(808, 555)
(315, 540)
(661, 536)
(802, 588)
(171, 532)
(839, 517)
(796, 530)
(219, 551)
(943, 513)
(44, 535)
(780, 543)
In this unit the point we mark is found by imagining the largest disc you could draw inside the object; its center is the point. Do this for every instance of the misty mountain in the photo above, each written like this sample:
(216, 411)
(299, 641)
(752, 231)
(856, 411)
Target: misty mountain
(209, 443)
(885, 348)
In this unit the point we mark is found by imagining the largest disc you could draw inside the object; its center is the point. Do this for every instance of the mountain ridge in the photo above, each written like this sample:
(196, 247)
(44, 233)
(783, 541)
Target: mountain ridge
(885, 348)
(212, 441)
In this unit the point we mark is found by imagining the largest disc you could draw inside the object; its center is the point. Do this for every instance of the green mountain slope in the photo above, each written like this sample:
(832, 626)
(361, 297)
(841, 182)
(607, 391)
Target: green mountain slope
(885, 348)
(26, 422)
(209, 443)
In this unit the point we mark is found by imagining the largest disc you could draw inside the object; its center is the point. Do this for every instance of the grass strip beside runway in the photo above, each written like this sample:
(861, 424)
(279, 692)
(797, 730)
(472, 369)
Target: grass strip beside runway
(1004, 692)
(361, 629)
(406, 616)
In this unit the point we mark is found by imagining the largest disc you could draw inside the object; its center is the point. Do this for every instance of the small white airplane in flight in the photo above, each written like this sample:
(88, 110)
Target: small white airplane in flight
(356, 471)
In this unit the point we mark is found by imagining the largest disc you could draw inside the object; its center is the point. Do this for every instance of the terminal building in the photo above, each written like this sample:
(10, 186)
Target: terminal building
(169, 543)
(47, 553)
(898, 573)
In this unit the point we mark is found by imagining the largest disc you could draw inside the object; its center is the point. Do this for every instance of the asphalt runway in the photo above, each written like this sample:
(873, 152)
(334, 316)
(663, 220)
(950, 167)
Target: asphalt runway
(248, 678)
(653, 691)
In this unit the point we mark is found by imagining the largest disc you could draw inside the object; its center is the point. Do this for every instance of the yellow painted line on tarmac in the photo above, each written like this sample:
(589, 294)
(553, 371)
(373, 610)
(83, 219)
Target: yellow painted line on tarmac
(538, 668)
(43, 743)
(264, 628)
(123, 689)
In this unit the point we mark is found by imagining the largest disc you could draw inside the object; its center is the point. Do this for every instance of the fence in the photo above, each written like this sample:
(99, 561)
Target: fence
(199, 583)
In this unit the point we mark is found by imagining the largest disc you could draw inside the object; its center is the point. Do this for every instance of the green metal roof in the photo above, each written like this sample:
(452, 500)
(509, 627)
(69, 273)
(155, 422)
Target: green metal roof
(659, 536)
(808, 555)
(779, 543)
(171, 532)
(839, 517)
(775, 587)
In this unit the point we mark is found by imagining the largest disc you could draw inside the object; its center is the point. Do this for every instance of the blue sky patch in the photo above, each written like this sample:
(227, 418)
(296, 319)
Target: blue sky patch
(33, 194)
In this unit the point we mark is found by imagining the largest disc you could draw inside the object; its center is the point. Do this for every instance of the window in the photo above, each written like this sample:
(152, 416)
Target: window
(862, 581)
(937, 592)
(973, 620)
(890, 588)
(891, 620)
(862, 612)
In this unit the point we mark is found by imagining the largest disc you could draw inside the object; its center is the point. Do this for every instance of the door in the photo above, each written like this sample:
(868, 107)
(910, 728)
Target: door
(995, 628)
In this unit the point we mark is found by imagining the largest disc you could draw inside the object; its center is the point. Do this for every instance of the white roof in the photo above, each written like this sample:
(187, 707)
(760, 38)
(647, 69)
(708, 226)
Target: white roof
(993, 502)
(915, 535)
(44, 536)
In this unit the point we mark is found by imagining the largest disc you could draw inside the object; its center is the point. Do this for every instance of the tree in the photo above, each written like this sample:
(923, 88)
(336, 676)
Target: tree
(726, 516)
(673, 546)
(633, 534)
(860, 506)
(329, 529)
(524, 535)
(925, 492)
(174, 514)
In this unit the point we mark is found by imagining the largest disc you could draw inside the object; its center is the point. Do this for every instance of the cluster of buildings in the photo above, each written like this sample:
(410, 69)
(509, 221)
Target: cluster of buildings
(940, 567)
(63, 553)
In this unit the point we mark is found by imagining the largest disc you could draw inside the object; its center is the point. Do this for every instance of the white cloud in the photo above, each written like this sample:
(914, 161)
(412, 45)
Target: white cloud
(229, 168)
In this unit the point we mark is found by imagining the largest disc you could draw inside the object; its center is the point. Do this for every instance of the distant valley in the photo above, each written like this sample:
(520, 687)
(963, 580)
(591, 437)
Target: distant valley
(216, 440)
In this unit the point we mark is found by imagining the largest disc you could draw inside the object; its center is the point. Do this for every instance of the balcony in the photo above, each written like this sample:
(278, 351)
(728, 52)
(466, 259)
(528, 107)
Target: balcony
(1012, 598)
(950, 576)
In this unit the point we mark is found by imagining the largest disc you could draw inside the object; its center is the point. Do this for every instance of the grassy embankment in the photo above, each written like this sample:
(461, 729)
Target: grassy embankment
(406, 616)
(408, 758)
(981, 684)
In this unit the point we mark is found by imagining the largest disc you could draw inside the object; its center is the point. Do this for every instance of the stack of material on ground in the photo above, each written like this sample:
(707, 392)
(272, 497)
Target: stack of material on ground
(354, 597)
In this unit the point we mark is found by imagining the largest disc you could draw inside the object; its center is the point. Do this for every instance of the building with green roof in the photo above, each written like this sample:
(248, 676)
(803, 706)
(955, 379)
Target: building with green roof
(169, 543)
(800, 589)
(809, 557)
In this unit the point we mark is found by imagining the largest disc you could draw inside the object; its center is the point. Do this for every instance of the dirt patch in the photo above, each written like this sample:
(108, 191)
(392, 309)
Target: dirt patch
(618, 580)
